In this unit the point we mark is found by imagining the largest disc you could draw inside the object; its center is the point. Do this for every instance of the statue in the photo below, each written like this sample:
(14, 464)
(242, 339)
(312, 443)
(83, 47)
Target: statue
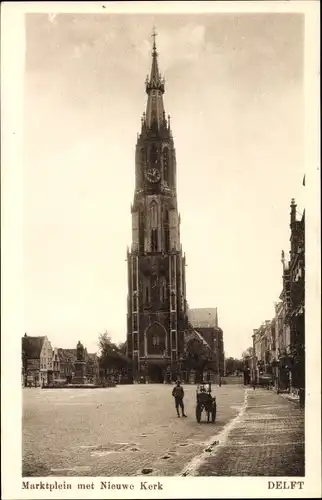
(80, 351)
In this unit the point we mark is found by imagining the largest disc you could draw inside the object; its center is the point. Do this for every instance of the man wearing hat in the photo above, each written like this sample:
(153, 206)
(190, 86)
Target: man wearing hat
(178, 394)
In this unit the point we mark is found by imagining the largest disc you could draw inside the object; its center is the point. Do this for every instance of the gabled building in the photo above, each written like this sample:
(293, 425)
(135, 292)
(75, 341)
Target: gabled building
(67, 358)
(205, 322)
(37, 360)
(92, 367)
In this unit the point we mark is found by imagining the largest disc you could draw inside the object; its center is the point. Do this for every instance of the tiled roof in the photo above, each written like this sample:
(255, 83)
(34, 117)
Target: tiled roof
(203, 317)
(32, 346)
(202, 340)
(194, 334)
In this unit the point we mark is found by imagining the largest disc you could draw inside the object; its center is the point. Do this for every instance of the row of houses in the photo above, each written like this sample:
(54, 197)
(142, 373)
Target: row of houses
(42, 364)
(279, 343)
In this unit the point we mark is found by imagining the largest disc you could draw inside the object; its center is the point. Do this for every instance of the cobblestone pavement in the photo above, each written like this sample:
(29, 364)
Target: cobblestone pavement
(267, 439)
(117, 431)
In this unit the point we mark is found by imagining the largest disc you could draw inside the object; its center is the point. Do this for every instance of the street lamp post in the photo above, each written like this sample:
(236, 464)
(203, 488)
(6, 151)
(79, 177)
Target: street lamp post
(164, 366)
(217, 363)
(180, 367)
(145, 369)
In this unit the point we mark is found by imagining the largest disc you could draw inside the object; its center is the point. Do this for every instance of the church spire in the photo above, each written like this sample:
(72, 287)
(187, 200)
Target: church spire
(154, 87)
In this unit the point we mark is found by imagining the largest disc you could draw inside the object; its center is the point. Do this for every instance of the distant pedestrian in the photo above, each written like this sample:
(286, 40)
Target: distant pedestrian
(178, 394)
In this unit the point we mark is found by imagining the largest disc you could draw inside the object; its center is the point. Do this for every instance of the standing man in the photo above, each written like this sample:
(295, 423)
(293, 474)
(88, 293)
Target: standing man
(178, 394)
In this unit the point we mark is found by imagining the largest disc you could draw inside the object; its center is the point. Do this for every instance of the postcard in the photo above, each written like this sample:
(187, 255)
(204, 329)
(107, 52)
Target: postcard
(160, 250)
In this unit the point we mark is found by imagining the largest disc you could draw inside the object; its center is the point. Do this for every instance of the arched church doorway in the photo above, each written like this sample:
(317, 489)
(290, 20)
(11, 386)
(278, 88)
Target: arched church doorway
(156, 375)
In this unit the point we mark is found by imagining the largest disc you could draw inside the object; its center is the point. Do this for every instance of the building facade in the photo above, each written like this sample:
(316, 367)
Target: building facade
(263, 352)
(297, 296)
(279, 344)
(92, 368)
(291, 338)
(37, 360)
(67, 358)
(56, 365)
(205, 322)
(283, 346)
(157, 308)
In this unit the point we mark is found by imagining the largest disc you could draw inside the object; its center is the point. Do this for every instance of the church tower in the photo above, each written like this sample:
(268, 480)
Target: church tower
(157, 308)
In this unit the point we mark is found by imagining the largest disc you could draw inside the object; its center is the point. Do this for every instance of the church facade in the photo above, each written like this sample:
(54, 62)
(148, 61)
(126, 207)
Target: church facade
(157, 306)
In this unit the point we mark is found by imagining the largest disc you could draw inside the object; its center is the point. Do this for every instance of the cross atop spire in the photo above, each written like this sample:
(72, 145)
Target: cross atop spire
(154, 35)
(154, 87)
(155, 82)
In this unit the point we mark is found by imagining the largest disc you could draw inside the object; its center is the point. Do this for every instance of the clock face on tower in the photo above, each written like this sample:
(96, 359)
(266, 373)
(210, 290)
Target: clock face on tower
(152, 175)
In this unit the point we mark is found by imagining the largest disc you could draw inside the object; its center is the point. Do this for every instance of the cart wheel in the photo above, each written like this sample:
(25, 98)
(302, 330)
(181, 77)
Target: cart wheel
(214, 413)
(198, 414)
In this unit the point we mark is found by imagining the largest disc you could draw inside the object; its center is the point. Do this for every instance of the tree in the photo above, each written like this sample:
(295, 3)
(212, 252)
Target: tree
(111, 357)
(233, 365)
(248, 353)
(122, 347)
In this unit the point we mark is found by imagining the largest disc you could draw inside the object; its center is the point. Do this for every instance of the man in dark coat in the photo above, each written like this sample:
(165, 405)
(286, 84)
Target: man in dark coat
(178, 394)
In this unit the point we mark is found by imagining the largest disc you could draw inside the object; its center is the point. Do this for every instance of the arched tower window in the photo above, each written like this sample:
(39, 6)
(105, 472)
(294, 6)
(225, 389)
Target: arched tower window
(153, 155)
(154, 226)
(141, 230)
(134, 274)
(166, 231)
(153, 215)
(173, 301)
(154, 240)
(146, 291)
(166, 165)
(155, 341)
(163, 289)
(143, 156)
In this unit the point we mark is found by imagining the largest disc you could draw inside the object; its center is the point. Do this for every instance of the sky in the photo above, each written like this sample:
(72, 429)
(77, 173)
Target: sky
(234, 90)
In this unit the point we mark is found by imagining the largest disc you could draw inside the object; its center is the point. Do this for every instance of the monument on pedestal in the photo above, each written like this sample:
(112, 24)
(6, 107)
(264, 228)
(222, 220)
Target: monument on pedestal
(80, 365)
